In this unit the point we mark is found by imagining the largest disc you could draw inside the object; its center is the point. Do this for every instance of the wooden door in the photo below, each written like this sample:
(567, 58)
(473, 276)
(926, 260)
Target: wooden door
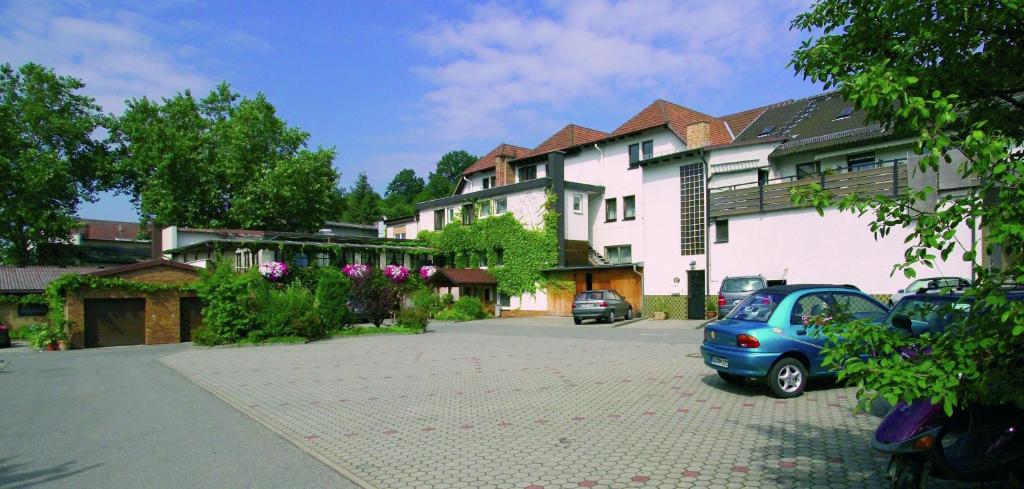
(191, 317)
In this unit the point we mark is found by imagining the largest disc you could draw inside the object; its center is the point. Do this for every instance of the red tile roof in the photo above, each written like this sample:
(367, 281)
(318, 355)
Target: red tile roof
(109, 230)
(740, 121)
(142, 266)
(676, 117)
(486, 162)
(568, 137)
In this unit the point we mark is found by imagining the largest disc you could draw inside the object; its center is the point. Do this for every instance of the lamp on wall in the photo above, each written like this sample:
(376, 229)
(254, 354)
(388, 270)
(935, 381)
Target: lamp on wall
(693, 264)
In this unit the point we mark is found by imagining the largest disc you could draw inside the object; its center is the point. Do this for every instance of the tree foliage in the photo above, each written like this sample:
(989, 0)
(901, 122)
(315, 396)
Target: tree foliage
(223, 161)
(363, 203)
(949, 73)
(400, 196)
(49, 160)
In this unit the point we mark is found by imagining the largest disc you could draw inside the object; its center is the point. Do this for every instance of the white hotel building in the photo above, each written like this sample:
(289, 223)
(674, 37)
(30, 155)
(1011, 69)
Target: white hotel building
(665, 206)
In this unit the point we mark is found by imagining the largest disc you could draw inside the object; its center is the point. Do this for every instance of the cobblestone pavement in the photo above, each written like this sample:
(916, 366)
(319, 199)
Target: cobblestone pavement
(465, 410)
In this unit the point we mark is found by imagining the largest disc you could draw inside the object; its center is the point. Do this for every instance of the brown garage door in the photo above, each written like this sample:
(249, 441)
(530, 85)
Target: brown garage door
(191, 317)
(115, 322)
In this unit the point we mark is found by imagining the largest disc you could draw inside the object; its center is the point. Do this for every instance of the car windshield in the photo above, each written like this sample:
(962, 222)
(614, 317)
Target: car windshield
(732, 285)
(590, 296)
(930, 314)
(757, 307)
(932, 283)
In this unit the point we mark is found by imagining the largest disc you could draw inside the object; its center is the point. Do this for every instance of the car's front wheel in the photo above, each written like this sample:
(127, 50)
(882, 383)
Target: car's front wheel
(629, 314)
(731, 378)
(787, 378)
(611, 316)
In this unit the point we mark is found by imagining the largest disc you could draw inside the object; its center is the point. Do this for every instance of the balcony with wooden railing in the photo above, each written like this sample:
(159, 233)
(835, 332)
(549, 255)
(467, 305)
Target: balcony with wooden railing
(877, 178)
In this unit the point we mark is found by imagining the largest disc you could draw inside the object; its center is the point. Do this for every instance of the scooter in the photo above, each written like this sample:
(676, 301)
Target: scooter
(979, 443)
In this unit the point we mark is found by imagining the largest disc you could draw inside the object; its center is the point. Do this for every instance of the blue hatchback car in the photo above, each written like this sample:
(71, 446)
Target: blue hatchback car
(765, 336)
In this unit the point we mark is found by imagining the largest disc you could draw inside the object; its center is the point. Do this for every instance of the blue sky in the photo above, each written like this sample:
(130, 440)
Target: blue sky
(394, 85)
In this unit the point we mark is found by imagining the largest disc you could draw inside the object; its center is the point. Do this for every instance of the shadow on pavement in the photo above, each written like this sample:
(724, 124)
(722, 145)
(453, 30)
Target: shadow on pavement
(14, 475)
(816, 456)
(757, 387)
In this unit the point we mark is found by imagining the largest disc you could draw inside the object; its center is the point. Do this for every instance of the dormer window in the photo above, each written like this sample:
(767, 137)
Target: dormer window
(766, 131)
(844, 113)
(489, 182)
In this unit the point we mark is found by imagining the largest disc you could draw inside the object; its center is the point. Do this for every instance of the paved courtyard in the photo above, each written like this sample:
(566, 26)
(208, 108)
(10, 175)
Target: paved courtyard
(489, 408)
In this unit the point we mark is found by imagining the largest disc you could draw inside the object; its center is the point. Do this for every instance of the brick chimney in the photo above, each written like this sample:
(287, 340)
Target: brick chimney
(503, 169)
(698, 135)
(156, 240)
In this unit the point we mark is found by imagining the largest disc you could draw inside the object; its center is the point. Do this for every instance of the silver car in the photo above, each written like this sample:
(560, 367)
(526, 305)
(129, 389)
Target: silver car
(735, 289)
(923, 285)
(601, 305)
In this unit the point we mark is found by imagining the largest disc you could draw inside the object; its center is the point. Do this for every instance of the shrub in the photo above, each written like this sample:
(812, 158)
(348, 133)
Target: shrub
(413, 318)
(332, 293)
(426, 300)
(375, 297)
(286, 312)
(470, 307)
(447, 300)
(228, 314)
(451, 315)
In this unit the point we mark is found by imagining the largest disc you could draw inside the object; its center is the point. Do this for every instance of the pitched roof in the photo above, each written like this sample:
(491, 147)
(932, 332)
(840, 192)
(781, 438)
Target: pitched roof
(109, 230)
(462, 276)
(142, 266)
(810, 123)
(568, 137)
(486, 162)
(739, 121)
(675, 117)
(28, 280)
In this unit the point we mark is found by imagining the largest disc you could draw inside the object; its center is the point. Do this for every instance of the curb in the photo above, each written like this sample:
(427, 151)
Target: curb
(347, 474)
(630, 321)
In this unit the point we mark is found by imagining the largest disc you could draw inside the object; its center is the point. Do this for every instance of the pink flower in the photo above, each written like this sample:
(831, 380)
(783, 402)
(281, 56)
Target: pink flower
(427, 271)
(356, 270)
(396, 273)
(273, 271)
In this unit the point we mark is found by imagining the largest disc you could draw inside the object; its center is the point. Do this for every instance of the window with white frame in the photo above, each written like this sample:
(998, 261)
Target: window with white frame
(485, 208)
(577, 203)
(500, 205)
(617, 255)
(451, 214)
(323, 259)
(527, 173)
(629, 208)
(244, 259)
(611, 210)
(489, 182)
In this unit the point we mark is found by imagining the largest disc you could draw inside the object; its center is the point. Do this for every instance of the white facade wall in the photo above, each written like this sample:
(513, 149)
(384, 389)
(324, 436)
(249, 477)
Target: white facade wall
(577, 222)
(475, 181)
(537, 301)
(664, 265)
(801, 247)
(411, 230)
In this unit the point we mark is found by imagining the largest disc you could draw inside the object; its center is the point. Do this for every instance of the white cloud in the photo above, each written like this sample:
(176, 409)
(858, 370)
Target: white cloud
(496, 69)
(113, 53)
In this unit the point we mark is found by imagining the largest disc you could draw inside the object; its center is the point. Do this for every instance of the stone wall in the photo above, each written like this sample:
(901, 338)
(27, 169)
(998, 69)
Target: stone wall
(9, 317)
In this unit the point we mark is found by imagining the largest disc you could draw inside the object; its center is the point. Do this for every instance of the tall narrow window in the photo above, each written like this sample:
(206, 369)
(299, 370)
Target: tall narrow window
(648, 147)
(634, 153)
(577, 203)
(691, 209)
(611, 211)
(451, 214)
(487, 183)
(485, 208)
(438, 219)
(467, 214)
(500, 205)
(628, 208)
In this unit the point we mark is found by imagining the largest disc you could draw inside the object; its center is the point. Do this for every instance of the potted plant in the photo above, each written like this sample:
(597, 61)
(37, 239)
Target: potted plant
(63, 337)
(710, 307)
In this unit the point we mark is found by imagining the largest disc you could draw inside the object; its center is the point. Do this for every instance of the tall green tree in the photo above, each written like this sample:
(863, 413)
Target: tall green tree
(223, 161)
(400, 196)
(49, 160)
(363, 203)
(949, 73)
(445, 177)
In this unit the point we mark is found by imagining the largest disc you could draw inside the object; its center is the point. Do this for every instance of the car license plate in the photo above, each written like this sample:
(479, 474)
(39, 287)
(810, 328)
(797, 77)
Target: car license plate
(719, 361)
(588, 306)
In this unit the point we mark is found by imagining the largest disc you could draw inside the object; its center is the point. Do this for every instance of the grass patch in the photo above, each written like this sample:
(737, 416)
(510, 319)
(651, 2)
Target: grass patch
(372, 330)
(276, 340)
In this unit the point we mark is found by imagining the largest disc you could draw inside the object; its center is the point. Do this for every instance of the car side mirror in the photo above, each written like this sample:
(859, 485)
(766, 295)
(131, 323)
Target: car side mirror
(903, 322)
(899, 291)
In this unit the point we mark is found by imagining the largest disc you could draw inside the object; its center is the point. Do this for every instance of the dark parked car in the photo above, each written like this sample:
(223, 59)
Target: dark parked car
(934, 284)
(5, 337)
(602, 305)
(735, 289)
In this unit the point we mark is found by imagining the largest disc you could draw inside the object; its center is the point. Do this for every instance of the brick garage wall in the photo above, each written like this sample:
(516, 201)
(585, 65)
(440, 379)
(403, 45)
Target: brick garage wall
(163, 309)
(9, 316)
